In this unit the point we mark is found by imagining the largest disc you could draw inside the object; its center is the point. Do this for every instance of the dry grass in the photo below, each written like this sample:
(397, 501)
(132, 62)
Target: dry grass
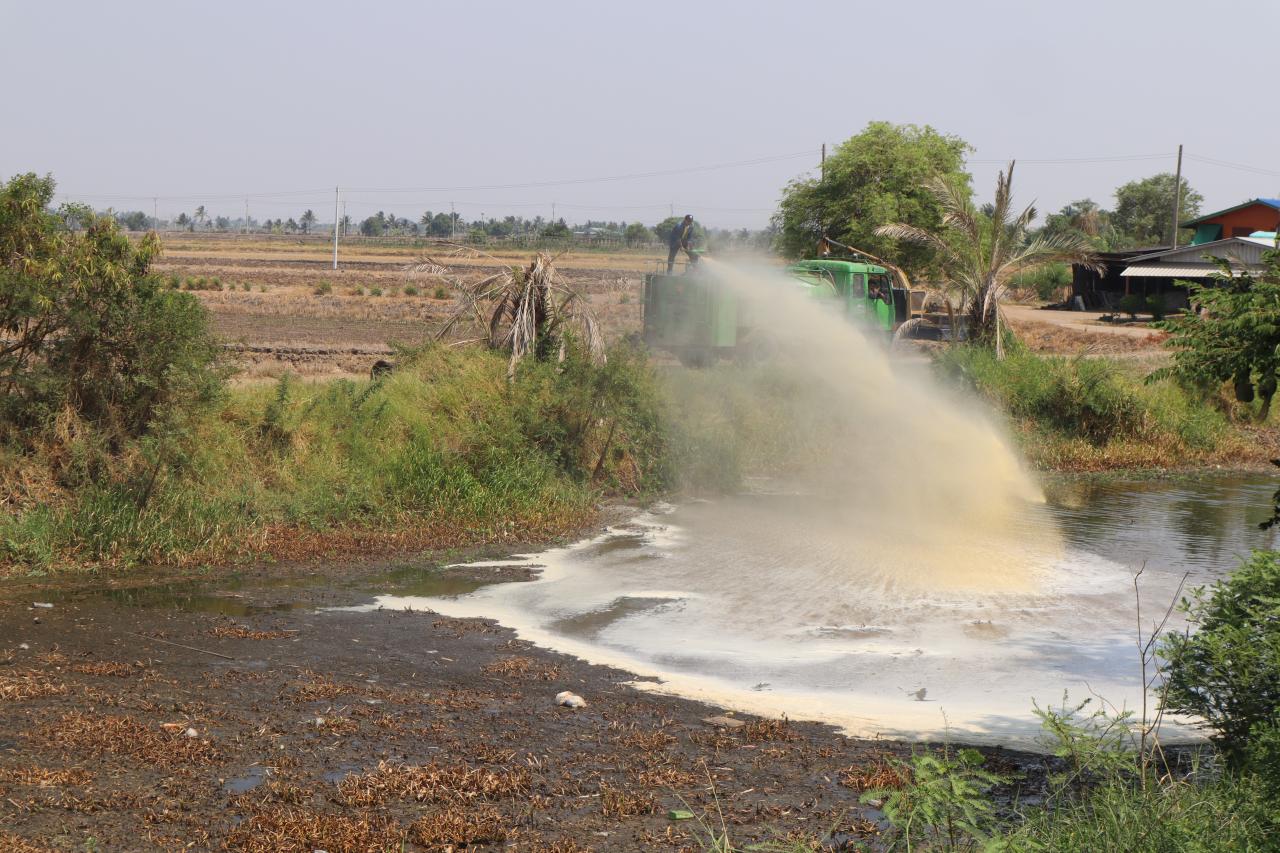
(282, 829)
(620, 803)
(518, 666)
(433, 783)
(42, 777)
(236, 632)
(110, 668)
(880, 772)
(444, 830)
(760, 731)
(28, 684)
(14, 844)
(127, 737)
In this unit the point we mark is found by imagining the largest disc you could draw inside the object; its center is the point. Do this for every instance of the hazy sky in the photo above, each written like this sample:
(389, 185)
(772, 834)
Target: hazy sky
(440, 99)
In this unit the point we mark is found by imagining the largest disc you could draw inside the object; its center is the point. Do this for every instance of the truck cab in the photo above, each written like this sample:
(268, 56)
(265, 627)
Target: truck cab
(865, 291)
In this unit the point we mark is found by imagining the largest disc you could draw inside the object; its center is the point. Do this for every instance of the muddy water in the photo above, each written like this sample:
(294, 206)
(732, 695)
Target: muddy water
(761, 603)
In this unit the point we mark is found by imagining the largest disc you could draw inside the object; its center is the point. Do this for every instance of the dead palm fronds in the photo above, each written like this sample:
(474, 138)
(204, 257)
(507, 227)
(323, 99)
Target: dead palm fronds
(526, 311)
(980, 252)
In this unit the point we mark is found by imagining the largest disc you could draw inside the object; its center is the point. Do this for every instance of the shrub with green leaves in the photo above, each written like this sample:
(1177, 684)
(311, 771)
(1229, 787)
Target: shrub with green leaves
(1235, 337)
(89, 329)
(1227, 672)
(1132, 304)
(945, 806)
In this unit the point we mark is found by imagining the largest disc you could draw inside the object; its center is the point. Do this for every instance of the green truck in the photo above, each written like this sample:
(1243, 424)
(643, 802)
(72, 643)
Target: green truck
(698, 317)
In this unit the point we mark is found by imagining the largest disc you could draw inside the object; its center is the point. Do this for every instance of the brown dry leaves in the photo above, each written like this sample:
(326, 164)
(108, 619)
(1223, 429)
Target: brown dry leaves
(42, 777)
(236, 632)
(880, 772)
(282, 829)
(433, 783)
(127, 737)
(28, 684)
(518, 666)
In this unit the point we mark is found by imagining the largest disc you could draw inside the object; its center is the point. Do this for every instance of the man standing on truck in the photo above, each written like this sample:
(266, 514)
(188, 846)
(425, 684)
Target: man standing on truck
(681, 238)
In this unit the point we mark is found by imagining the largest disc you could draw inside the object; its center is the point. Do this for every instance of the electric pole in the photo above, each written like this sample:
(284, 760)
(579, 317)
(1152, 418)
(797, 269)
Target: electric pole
(1177, 200)
(453, 223)
(155, 216)
(824, 161)
(336, 205)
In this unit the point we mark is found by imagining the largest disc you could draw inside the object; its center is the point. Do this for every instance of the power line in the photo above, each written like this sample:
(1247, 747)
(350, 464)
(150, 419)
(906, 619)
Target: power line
(1257, 170)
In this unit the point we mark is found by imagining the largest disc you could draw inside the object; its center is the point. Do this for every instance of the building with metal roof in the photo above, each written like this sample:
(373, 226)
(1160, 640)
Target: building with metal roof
(1258, 214)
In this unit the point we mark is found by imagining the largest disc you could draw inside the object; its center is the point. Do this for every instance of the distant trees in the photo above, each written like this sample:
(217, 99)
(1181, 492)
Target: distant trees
(184, 221)
(308, 219)
(290, 226)
(133, 220)
(1144, 207)
(200, 216)
(222, 223)
(374, 226)
(874, 178)
(636, 234)
(557, 229)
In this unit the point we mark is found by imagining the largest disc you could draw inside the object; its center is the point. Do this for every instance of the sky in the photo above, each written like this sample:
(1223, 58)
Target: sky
(511, 107)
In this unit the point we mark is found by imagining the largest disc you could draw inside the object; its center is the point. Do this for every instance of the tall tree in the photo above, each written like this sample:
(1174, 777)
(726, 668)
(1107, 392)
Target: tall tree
(308, 219)
(200, 216)
(979, 254)
(872, 179)
(1143, 208)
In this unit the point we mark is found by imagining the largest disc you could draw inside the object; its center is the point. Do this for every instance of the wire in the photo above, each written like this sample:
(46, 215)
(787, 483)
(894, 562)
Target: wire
(1067, 161)
(1257, 170)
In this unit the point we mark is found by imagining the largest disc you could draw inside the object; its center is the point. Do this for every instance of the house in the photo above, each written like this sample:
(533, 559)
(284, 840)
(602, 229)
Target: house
(1259, 214)
(1238, 234)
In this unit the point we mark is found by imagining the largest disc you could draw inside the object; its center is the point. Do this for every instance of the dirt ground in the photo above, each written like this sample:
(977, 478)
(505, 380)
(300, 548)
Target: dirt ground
(282, 308)
(247, 715)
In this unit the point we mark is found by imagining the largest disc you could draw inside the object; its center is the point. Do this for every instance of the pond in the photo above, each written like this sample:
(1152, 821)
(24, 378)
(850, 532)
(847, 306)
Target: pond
(780, 603)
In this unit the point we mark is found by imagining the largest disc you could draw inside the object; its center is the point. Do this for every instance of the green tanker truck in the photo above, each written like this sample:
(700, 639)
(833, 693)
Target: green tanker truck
(698, 317)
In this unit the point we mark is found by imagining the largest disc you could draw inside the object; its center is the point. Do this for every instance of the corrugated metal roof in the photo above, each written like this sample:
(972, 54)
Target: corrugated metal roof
(1244, 250)
(1170, 271)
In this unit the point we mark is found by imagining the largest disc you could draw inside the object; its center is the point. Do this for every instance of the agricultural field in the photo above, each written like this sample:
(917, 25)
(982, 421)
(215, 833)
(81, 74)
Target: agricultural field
(280, 306)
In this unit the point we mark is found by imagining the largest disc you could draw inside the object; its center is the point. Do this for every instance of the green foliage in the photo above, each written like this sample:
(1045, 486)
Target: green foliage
(663, 230)
(90, 331)
(557, 230)
(375, 291)
(410, 290)
(1228, 671)
(637, 235)
(440, 293)
(1156, 308)
(1169, 816)
(1077, 396)
(1048, 281)
(872, 179)
(1143, 208)
(1235, 337)
(1132, 303)
(945, 806)
(324, 288)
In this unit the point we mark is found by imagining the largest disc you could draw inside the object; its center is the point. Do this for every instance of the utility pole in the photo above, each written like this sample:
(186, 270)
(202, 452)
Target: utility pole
(155, 216)
(336, 205)
(453, 223)
(553, 213)
(246, 216)
(824, 161)
(1177, 200)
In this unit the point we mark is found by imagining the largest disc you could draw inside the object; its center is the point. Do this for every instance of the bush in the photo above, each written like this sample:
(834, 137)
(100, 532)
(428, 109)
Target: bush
(1080, 396)
(93, 334)
(245, 286)
(1228, 671)
(324, 288)
(1156, 308)
(1048, 281)
(1131, 304)
(410, 290)
(441, 293)
(375, 291)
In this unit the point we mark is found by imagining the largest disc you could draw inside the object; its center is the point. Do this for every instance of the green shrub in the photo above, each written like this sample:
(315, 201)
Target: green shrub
(215, 284)
(410, 290)
(1131, 304)
(324, 288)
(945, 805)
(440, 293)
(90, 330)
(1048, 281)
(1156, 308)
(375, 291)
(174, 282)
(1228, 671)
(245, 286)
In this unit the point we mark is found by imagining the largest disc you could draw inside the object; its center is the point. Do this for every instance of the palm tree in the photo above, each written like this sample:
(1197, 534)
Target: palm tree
(308, 219)
(200, 215)
(981, 252)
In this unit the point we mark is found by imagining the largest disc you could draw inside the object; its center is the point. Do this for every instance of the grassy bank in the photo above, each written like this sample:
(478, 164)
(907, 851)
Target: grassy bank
(441, 451)
(1095, 414)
